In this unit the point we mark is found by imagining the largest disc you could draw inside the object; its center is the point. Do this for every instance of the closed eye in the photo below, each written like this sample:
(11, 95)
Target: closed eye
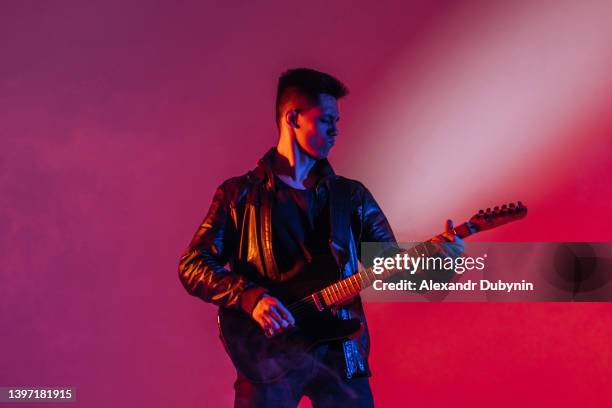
(330, 119)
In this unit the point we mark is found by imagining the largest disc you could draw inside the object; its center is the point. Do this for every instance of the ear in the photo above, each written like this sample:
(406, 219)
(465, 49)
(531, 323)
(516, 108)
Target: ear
(291, 117)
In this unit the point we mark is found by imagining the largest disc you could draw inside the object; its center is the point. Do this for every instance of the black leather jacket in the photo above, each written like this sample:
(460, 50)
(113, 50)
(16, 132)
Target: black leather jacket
(237, 230)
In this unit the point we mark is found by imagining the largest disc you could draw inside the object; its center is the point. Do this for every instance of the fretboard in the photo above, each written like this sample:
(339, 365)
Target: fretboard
(348, 288)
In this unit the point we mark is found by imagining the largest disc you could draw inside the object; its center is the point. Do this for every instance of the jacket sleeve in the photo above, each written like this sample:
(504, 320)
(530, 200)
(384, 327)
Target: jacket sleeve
(202, 266)
(376, 228)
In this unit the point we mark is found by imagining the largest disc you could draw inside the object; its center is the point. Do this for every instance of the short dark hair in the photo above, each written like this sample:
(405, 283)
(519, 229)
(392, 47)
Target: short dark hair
(307, 83)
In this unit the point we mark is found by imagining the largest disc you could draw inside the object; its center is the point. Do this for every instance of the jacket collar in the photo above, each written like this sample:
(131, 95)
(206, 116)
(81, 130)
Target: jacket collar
(263, 172)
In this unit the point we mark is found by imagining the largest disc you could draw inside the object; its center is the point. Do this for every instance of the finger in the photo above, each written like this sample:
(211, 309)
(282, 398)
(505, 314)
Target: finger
(286, 313)
(269, 332)
(449, 227)
(276, 316)
(266, 328)
(272, 324)
(449, 232)
(263, 322)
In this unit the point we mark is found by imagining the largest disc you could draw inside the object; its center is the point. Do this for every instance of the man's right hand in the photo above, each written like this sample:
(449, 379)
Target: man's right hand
(272, 315)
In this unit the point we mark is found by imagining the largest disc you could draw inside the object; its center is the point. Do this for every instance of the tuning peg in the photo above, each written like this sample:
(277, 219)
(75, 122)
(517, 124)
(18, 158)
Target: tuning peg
(488, 210)
(496, 208)
(520, 204)
(504, 207)
(511, 205)
(480, 212)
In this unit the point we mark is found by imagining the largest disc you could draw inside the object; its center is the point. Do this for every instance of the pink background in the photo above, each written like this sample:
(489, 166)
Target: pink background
(118, 119)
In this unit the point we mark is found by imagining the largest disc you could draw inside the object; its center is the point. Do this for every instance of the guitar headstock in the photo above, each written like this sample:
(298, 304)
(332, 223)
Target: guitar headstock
(493, 218)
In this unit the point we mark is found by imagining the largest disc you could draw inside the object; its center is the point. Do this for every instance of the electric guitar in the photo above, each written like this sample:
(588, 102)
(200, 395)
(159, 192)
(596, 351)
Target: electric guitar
(264, 359)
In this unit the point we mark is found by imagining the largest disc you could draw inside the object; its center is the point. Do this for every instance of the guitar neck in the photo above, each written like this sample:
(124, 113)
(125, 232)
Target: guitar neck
(350, 287)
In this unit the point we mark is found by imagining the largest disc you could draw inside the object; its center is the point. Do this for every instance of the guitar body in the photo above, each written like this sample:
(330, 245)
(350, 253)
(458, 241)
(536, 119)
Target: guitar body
(262, 359)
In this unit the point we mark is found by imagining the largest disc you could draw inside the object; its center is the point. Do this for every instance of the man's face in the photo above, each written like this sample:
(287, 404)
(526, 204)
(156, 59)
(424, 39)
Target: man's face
(317, 127)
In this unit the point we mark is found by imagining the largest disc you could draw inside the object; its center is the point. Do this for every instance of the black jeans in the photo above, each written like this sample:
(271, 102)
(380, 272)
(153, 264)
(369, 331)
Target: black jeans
(319, 379)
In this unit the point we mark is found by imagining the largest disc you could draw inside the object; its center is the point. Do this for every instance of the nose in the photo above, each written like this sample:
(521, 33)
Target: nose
(333, 131)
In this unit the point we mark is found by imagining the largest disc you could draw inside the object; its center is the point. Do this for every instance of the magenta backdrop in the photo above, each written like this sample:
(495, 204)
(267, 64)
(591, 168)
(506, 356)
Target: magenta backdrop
(118, 119)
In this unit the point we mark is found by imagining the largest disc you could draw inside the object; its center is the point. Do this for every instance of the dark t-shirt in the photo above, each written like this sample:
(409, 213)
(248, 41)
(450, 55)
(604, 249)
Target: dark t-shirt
(300, 233)
(300, 243)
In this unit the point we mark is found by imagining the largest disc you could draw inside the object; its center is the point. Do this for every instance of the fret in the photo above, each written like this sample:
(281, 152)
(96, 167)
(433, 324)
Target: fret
(329, 295)
(361, 276)
(348, 291)
(342, 294)
(368, 276)
(336, 293)
(352, 285)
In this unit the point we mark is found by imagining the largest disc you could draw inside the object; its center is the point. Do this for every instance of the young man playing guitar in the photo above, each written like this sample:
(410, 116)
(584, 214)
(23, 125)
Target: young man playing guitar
(291, 223)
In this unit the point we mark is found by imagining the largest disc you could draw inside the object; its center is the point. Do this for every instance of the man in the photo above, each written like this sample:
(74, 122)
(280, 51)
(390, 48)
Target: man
(292, 218)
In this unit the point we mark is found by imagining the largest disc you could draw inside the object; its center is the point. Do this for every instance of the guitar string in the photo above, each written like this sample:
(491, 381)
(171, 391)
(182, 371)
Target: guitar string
(338, 290)
(301, 306)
